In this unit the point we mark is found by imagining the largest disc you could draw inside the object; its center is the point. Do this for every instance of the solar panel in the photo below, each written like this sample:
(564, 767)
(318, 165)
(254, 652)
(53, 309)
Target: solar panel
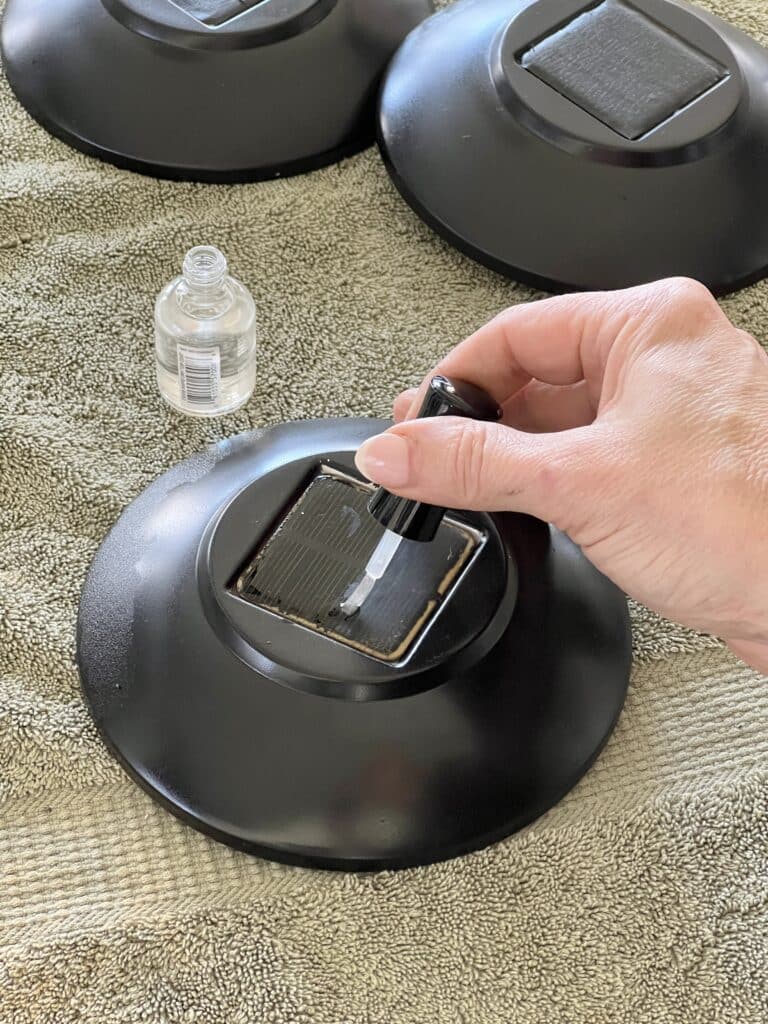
(317, 552)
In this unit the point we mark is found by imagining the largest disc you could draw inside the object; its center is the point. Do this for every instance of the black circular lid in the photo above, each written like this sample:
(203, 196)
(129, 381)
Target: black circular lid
(209, 90)
(582, 145)
(470, 692)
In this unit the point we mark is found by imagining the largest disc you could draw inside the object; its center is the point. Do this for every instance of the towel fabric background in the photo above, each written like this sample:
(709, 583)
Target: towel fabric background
(640, 898)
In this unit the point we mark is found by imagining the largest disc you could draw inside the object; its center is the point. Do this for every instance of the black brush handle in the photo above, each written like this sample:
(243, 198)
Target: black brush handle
(445, 396)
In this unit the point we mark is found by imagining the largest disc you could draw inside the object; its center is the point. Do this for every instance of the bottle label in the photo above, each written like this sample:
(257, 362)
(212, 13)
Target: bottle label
(199, 375)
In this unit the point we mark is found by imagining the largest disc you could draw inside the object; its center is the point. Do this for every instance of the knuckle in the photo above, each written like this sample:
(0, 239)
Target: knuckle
(746, 344)
(691, 293)
(577, 482)
(506, 321)
(548, 480)
(469, 458)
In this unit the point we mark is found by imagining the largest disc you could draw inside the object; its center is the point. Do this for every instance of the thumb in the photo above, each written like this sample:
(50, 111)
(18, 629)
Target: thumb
(464, 463)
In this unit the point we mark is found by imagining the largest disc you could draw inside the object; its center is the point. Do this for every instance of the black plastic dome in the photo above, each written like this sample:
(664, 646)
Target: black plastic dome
(208, 90)
(580, 145)
(475, 687)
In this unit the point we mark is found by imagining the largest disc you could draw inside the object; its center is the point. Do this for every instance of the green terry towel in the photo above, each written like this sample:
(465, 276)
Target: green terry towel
(640, 898)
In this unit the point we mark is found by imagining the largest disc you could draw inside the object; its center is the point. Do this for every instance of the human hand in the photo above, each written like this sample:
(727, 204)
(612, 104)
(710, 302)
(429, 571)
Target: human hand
(635, 421)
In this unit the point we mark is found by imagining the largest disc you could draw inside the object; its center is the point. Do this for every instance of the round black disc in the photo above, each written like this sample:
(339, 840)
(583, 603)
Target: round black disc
(207, 90)
(472, 691)
(581, 146)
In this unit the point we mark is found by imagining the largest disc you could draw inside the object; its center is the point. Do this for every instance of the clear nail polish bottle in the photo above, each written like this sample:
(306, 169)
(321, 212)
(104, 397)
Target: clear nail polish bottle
(205, 337)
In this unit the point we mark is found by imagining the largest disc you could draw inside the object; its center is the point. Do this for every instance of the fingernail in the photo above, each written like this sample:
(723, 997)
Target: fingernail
(385, 459)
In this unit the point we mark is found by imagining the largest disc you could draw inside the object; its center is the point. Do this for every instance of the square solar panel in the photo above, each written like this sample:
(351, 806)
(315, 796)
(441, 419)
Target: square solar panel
(622, 67)
(317, 553)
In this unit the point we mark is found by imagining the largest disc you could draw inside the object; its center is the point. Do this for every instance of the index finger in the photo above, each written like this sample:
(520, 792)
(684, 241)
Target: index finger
(561, 340)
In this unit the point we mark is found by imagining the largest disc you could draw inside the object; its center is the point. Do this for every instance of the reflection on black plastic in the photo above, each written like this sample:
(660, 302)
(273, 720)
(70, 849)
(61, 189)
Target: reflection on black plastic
(214, 12)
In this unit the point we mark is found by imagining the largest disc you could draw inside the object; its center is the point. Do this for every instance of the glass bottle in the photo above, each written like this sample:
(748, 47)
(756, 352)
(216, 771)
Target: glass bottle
(205, 337)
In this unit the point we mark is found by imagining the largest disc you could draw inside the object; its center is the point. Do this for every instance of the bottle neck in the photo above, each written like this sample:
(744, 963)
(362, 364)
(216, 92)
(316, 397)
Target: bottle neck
(205, 303)
(204, 290)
